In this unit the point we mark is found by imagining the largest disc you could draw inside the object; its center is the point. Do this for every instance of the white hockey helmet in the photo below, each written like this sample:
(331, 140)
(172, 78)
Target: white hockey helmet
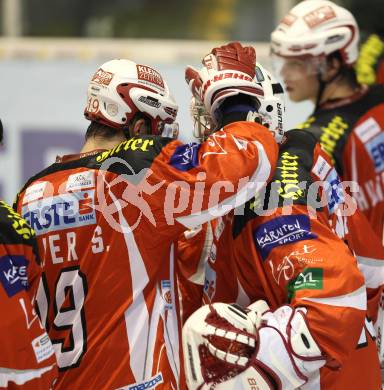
(272, 104)
(121, 88)
(316, 28)
(270, 113)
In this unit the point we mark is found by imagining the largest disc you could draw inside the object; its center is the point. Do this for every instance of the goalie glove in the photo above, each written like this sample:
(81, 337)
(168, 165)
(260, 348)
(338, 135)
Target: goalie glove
(227, 71)
(280, 354)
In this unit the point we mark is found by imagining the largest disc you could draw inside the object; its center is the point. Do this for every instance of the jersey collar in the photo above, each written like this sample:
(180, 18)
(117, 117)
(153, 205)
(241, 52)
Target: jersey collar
(71, 157)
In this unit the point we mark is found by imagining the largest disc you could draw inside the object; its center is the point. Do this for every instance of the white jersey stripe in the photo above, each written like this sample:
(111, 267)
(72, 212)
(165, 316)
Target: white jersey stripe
(199, 276)
(157, 311)
(254, 185)
(136, 316)
(20, 377)
(171, 323)
(356, 299)
(373, 271)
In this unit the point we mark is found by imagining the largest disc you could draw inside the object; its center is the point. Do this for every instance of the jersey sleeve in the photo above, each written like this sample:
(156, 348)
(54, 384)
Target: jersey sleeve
(363, 162)
(207, 180)
(193, 249)
(303, 262)
(27, 358)
(19, 241)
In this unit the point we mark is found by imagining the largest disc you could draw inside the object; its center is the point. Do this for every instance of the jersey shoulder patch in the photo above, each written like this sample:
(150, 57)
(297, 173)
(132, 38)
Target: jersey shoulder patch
(13, 228)
(290, 182)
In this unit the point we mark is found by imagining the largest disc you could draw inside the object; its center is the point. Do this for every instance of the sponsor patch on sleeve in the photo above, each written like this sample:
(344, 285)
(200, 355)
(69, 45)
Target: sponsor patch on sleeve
(321, 168)
(13, 274)
(375, 149)
(280, 231)
(186, 157)
(42, 347)
(334, 191)
(367, 130)
(34, 192)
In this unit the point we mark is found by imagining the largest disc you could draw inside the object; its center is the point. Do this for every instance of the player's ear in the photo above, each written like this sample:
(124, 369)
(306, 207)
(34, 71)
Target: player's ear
(333, 65)
(140, 127)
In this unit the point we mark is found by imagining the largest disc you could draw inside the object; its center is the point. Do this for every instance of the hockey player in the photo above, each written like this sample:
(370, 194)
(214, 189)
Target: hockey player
(198, 245)
(27, 358)
(107, 221)
(292, 260)
(316, 45)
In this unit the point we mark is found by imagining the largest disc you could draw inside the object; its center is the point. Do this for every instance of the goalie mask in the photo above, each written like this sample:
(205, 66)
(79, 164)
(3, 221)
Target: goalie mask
(270, 113)
(121, 88)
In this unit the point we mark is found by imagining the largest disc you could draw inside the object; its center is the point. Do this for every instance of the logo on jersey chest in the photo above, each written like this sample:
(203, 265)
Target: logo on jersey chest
(280, 231)
(308, 279)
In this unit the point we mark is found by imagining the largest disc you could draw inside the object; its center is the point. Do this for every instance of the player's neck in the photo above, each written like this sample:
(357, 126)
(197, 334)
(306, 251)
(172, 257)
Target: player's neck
(94, 143)
(337, 90)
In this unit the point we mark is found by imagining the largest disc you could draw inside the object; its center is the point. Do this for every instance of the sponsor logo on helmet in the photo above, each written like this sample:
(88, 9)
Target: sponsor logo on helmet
(289, 19)
(102, 77)
(319, 15)
(334, 38)
(280, 119)
(112, 109)
(148, 74)
(170, 111)
(150, 101)
(302, 47)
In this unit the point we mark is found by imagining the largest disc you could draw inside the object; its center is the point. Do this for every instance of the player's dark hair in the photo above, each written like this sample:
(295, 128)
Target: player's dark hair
(99, 130)
(347, 73)
(1, 131)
